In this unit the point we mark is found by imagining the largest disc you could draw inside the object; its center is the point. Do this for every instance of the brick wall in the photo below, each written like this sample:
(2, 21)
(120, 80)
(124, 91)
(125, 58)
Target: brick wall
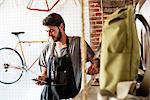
(96, 19)
(95, 23)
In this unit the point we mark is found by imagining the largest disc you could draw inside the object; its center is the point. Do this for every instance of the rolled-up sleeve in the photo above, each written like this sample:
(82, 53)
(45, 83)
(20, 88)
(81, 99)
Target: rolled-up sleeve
(43, 57)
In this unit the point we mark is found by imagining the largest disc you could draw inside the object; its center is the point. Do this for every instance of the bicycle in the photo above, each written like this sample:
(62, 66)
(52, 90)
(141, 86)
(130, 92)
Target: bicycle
(12, 63)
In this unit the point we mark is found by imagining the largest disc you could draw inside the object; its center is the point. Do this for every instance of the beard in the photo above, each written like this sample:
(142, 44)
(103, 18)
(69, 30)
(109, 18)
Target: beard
(58, 36)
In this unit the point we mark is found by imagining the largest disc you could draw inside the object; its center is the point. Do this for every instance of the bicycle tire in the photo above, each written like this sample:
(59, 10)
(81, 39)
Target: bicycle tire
(11, 65)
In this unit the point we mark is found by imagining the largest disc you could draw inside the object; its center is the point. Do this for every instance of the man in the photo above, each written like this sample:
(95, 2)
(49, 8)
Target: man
(55, 26)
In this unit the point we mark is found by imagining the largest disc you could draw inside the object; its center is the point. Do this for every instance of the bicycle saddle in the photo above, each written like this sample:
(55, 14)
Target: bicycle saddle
(17, 33)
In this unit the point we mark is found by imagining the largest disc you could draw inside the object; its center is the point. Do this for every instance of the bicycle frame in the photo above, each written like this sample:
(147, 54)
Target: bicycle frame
(19, 45)
(13, 65)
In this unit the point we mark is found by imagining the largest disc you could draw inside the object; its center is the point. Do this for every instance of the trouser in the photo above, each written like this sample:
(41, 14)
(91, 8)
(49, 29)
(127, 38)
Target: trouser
(49, 93)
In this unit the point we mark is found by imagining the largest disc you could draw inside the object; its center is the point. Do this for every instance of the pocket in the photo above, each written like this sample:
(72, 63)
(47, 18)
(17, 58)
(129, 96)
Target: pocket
(60, 78)
(115, 37)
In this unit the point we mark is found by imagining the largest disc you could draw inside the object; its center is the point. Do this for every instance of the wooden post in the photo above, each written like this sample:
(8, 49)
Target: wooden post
(83, 54)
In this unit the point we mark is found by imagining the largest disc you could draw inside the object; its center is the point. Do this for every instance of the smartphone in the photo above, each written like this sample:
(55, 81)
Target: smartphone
(39, 80)
(35, 79)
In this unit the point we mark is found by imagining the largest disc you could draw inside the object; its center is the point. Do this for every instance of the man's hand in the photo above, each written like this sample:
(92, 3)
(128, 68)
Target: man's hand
(95, 67)
(40, 80)
(93, 70)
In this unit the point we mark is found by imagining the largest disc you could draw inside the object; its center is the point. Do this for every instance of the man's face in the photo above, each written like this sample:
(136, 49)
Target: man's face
(53, 32)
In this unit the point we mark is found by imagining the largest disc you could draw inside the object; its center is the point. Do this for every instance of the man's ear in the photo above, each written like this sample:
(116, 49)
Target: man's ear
(61, 26)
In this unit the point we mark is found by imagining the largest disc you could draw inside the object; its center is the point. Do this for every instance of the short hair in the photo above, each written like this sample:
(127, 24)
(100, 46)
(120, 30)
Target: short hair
(53, 19)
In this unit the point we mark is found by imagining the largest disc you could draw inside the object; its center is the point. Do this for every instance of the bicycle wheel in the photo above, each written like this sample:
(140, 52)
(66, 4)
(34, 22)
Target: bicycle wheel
(11, 66)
